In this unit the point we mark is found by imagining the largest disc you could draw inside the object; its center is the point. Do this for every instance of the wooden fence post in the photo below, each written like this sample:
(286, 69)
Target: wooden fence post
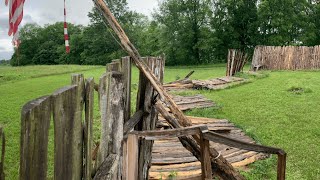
(205, 158)
(130, 158)
(126, 64)
(145, 101)
(68, 131)
(111, 107)
(88, 137)
(35, 123)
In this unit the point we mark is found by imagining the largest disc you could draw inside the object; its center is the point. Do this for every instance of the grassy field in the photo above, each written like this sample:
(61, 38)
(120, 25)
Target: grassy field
(267, 109)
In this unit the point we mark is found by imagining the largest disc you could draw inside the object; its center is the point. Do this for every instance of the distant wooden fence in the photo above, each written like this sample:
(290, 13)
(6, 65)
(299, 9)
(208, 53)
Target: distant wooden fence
(286, 57)
(236, 61)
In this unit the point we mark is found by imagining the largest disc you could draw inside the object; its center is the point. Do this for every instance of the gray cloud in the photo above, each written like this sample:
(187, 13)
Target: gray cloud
(6, 55)
(48, 11)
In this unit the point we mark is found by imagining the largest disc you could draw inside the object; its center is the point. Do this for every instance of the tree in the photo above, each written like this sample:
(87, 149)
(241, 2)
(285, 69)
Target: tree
(285, 22)
(235, 25)
(184, 27)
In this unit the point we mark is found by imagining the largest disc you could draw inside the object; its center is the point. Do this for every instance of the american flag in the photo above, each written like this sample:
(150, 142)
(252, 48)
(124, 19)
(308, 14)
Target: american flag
(15, 18)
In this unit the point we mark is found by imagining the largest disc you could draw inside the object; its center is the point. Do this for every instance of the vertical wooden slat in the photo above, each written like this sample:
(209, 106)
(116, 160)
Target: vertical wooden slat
(205, 159)
(112, 107)
(282, 166)
(67, 114)
(88, 137)
(126, 64)
(145, 101)
(35, 123)
(130, 156)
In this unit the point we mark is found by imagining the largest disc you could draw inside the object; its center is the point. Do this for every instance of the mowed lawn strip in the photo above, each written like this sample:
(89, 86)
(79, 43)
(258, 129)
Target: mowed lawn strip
(265, 109)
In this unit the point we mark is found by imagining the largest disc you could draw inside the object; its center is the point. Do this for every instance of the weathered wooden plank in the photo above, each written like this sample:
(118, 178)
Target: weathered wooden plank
(112, 122)
(145, 100)
(130, 158)
(108, 168)
(205, 159)
(88, 134)
(67, 117)
(132, 122)
(171, 133)
(126, 64)
(102, 152)
(218, 138)
(35, 123)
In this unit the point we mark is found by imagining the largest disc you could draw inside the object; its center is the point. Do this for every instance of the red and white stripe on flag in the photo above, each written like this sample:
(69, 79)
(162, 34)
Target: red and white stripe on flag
(15, 18)
(66, 36)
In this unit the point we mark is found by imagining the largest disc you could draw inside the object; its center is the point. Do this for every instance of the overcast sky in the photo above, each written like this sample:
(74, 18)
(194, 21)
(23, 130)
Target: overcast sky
(50, 11)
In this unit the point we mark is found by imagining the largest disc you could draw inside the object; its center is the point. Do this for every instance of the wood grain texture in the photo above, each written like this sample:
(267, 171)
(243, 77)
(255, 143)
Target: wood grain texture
(108, 168)
(130, 158)
(67, 117)
(126, 65)
(112, 116)
(35, 123)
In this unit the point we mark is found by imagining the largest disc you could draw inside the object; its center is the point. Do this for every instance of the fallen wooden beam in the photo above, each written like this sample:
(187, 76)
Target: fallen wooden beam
(171, 133)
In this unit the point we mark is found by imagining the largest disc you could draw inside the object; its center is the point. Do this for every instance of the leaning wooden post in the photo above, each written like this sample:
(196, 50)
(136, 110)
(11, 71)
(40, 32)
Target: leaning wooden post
(145, 101)
(205, 158)
(88, 134)
(35, 123)
(226, 170)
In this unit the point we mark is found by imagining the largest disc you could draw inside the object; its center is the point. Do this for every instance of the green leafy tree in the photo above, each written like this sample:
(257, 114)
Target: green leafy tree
(285, 22)
(235, 25)
(183, 29)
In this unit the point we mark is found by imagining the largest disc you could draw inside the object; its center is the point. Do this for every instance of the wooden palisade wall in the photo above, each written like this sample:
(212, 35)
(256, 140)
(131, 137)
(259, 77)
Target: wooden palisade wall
(286, 57)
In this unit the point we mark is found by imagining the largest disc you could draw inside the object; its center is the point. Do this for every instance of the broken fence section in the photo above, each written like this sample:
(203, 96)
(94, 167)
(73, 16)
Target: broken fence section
(211, 84)
(236, 61)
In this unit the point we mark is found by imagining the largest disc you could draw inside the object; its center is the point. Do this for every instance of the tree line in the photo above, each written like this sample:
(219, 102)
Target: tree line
(186, 31)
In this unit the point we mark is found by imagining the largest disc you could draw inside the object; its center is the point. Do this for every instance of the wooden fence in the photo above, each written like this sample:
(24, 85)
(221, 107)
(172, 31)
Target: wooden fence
(236, 61)
(126, 141)
(286, 57)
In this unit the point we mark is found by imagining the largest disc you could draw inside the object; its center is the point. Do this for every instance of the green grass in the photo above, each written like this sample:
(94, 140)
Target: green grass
(11, 74)
(267, 109)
